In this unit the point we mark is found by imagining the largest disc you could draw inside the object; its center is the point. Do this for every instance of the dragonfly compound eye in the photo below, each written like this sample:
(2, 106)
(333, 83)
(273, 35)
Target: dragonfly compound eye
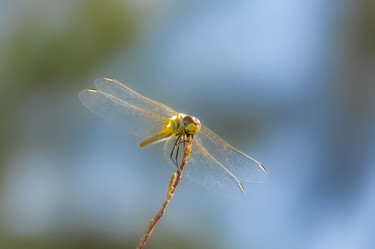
(191, 124)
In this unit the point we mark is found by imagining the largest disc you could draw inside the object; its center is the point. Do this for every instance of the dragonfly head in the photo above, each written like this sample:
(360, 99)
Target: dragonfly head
(190, 125)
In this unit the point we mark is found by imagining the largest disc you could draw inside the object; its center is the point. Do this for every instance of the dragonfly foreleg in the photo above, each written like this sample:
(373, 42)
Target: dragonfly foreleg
(173, 149)
(177, 151)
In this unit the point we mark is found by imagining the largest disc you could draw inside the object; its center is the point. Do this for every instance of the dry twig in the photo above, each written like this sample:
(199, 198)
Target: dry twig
(175, 180)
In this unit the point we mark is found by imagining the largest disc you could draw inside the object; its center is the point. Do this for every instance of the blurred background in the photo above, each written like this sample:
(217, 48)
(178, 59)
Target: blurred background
(288, 82)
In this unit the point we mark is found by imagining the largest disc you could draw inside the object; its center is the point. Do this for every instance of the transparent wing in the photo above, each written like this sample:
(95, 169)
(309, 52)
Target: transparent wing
(204, 169)
(123, 107)
(242, 166)
(122, 92)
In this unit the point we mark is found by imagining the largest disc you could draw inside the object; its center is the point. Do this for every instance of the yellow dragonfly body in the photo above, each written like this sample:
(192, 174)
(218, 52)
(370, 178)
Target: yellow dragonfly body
(178, 125)
(213, 162)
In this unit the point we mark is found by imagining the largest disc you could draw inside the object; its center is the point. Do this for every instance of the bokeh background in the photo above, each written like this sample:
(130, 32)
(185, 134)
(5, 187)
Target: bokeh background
(289, 82)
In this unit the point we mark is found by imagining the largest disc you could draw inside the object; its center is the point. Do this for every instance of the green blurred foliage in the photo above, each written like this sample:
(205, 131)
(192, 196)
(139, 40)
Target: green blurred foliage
(366, 27)
(39, 53)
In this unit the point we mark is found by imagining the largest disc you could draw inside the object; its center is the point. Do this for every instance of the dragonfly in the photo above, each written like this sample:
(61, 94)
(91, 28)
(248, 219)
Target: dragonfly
(213, 162)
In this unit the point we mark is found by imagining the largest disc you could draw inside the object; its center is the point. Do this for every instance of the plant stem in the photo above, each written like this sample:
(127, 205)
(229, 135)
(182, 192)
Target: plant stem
(175, 180)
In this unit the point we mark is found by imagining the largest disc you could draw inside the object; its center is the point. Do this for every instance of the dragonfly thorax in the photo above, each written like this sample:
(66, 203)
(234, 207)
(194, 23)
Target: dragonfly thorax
(185, 124)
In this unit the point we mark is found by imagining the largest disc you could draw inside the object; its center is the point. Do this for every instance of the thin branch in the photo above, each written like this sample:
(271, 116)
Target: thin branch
(175, 180)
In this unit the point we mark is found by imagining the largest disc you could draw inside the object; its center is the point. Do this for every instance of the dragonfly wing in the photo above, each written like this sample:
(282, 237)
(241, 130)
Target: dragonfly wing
(126, 115)
(242, 166)
(122, 92)
(204, 169)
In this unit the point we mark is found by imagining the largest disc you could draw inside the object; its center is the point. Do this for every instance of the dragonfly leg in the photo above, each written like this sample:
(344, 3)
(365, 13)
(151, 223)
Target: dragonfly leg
(180, 143)
(177, 151)
(173, 149)
(183, 141)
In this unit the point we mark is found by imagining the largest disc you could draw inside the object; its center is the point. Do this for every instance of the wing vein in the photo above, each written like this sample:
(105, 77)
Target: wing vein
(150, 114)
(143, 98)
(206, 153)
